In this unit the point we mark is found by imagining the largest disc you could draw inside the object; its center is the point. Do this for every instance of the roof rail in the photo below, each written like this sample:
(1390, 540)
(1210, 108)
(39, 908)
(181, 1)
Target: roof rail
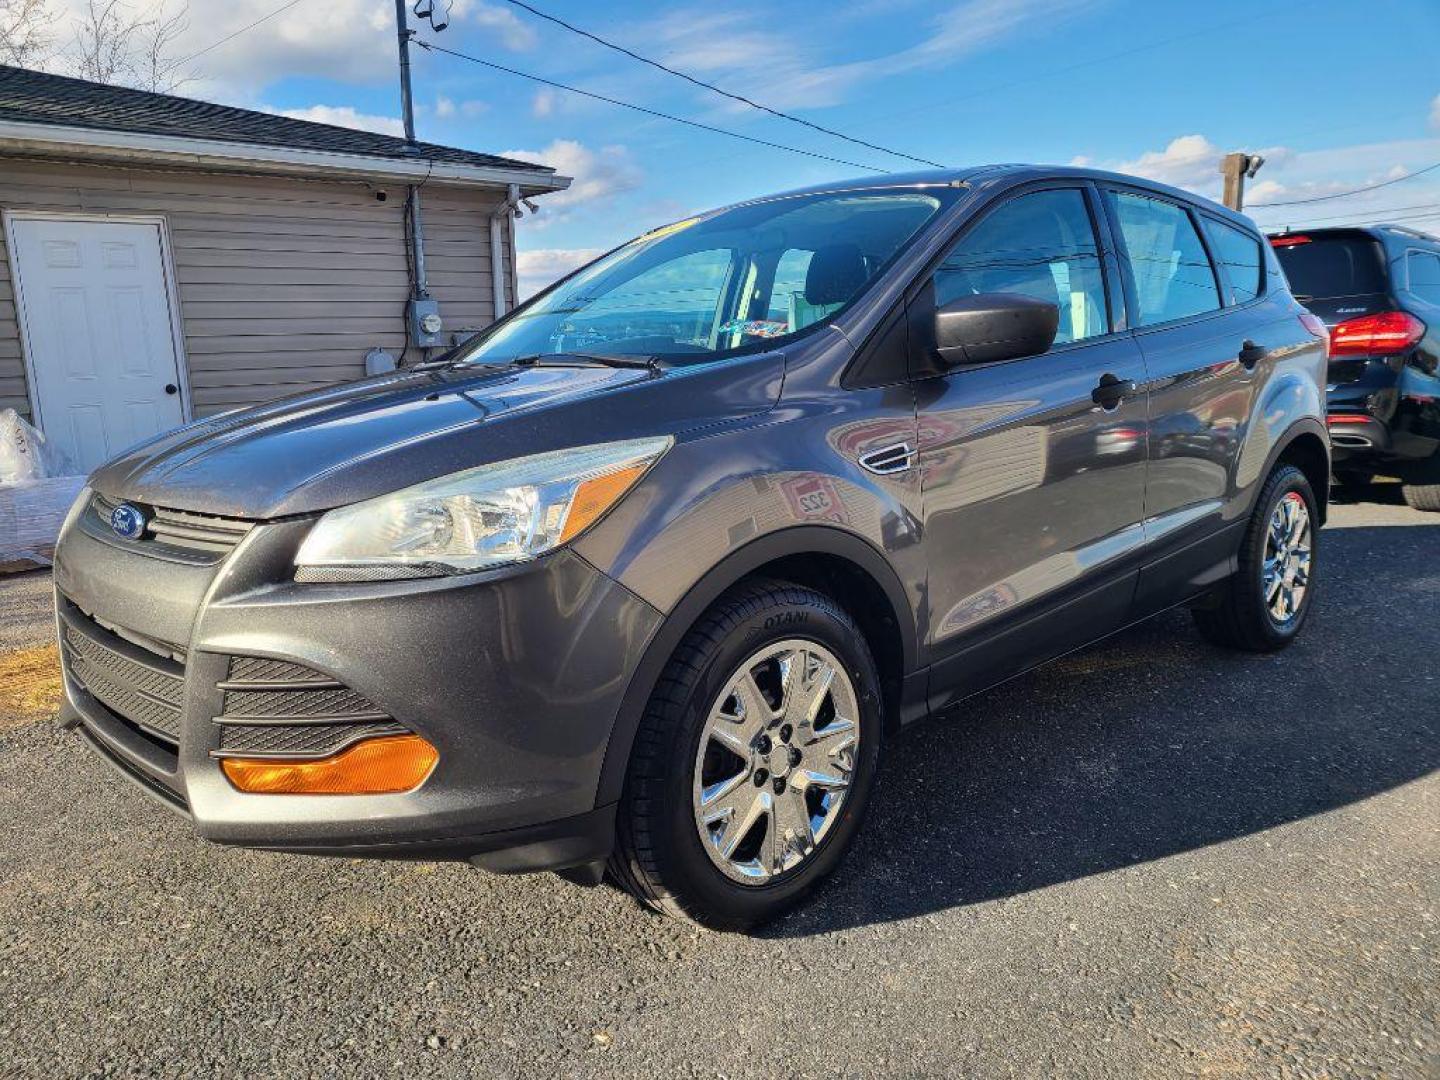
(1408, 231)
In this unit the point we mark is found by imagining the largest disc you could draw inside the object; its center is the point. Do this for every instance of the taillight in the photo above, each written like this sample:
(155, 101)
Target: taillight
(1388, 332)
(1288, 241)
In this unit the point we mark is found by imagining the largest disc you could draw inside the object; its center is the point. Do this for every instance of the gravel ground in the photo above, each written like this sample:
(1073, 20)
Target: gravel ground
(1150, 859)
(27, 613)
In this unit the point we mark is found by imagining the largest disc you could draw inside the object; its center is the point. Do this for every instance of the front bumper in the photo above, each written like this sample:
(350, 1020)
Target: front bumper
(515, 676)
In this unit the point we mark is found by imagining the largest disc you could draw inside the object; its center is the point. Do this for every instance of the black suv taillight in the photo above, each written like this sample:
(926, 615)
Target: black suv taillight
(1371, 335)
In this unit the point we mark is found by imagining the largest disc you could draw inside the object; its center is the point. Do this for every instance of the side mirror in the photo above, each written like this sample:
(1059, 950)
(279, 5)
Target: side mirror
(994, 326)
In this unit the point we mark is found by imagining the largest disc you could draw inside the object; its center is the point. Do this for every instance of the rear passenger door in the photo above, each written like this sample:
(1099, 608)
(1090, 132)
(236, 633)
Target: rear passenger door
(1204, 365)
(1033, 469)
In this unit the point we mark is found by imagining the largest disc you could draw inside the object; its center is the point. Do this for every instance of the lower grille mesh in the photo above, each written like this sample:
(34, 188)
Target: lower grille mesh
(339, 702)
(309, 739)
(277, 708)
(144, 695)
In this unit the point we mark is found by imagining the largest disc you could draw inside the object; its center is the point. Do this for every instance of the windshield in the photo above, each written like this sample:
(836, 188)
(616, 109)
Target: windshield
(1322, 267)
(700, 289)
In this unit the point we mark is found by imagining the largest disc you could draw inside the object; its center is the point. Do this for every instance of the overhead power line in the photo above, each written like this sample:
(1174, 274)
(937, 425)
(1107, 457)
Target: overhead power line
(718, 90)
(1347, 194)
(231, 37)
(1375, 215)
(431, 47)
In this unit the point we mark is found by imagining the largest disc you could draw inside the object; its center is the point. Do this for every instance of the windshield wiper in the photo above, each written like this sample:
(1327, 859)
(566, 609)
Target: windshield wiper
(541, 359)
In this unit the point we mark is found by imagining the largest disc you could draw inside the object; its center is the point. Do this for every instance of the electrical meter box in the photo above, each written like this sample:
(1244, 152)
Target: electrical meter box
(425, 323)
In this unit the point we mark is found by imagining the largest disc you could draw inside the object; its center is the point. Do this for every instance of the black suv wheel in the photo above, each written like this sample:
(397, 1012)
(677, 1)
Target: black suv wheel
(754, 760)
(1263, 605)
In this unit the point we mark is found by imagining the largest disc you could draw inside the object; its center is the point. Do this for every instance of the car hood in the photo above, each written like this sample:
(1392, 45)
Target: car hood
(359, 440)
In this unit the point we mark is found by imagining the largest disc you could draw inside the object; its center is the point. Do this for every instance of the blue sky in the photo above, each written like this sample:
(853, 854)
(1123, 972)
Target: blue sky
(1335, 93)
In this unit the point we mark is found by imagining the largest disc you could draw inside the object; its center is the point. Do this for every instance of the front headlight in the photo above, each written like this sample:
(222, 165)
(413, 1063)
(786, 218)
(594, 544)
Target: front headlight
(479, 518)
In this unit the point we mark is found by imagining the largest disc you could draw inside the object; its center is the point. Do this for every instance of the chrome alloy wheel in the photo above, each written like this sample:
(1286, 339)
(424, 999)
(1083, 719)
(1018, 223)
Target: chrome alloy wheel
(1286, 571)
(775, 760)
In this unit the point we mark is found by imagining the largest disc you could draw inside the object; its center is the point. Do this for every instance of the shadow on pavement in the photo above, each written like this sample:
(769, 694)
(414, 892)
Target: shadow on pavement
(1155, 743)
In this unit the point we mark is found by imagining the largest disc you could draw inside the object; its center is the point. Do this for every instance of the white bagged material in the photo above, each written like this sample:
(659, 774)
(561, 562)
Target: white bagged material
(25, 454)
(30, 518)
(37, 486)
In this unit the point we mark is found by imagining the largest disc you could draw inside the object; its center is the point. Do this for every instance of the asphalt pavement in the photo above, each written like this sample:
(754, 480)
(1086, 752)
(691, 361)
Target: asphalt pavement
(1152, 858)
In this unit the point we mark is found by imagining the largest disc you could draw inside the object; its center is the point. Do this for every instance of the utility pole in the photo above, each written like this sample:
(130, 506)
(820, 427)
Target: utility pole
(1235, 168)
(423, 320)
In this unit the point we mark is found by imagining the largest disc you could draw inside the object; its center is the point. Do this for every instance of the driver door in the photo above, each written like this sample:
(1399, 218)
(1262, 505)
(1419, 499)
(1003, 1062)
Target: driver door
(1033, 469)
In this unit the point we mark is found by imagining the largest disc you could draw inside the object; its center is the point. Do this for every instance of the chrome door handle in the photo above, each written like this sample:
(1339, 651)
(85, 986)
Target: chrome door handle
(888, 460)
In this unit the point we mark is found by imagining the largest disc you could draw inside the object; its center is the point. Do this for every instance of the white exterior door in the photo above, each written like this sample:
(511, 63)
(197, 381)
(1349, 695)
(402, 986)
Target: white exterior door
(99, 333)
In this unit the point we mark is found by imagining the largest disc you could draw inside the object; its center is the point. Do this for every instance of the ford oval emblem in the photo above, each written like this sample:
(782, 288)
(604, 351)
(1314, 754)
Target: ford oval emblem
(128, 521)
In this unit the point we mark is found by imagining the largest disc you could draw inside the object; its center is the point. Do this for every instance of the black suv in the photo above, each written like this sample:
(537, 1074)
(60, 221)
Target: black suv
(644, 577)
(1378, 291)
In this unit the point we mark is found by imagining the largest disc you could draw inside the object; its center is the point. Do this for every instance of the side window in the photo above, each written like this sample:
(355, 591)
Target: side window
(1423, 272)
(787, 293)
(1173, 276)
(1242, 256)
(1040, 245)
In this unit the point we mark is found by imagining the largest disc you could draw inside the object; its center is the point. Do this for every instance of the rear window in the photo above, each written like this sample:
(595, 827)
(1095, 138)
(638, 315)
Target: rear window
(1323, 267)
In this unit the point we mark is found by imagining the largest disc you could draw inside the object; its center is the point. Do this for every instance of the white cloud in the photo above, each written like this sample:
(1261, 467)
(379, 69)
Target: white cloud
(504, 24)
(1190, 161)
(349, 40)
(444, 107)
(1288, 175)
(544, 103)
(599, 175)
(345, 116)
(741, 49)
(537, 269)
(1193, 162)
(1435, 113)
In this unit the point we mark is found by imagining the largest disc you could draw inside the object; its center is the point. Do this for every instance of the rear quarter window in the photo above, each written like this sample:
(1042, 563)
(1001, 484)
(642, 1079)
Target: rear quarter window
(1241, 257)
(1323, 267)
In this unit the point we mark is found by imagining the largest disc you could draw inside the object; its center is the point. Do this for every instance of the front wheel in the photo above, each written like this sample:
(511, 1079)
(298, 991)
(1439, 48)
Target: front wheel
(754, 760)
(1263, 605)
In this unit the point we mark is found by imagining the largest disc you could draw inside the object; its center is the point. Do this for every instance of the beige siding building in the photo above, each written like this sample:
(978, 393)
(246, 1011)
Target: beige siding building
(163, 259)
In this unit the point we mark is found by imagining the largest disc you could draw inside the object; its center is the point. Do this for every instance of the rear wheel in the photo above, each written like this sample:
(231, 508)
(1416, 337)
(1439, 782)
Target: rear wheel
(1422, 485)
(754, 760)
(1423, 496)
(1263, 605)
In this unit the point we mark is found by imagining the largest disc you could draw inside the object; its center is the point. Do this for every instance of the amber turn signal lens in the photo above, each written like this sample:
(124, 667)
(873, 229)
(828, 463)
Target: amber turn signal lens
(381, 766)
(593, 497)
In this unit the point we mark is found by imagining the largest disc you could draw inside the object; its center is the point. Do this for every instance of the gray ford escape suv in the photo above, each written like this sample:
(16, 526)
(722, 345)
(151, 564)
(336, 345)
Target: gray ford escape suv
(643, 577)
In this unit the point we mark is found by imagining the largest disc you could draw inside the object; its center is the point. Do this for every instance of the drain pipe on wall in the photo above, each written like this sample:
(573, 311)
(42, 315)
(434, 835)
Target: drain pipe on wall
(498, 242)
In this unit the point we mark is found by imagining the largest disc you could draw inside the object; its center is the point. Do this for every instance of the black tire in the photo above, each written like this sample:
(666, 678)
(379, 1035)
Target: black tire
(1236, 615)
(1421, 484)
(659, 857)
(1422, 496)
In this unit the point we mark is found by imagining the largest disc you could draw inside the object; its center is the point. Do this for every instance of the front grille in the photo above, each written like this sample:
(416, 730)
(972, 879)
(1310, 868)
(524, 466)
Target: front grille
(206, 537)
(149, 693)
(275, 708)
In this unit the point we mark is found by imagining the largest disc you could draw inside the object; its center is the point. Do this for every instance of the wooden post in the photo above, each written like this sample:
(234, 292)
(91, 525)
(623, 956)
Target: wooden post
(1233, 169)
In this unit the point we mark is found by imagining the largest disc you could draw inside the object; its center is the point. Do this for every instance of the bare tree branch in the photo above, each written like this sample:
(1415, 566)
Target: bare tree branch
(117, 43)
(24, 31)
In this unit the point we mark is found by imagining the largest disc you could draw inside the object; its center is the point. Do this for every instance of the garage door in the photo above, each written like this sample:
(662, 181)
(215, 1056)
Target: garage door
(99, 338)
